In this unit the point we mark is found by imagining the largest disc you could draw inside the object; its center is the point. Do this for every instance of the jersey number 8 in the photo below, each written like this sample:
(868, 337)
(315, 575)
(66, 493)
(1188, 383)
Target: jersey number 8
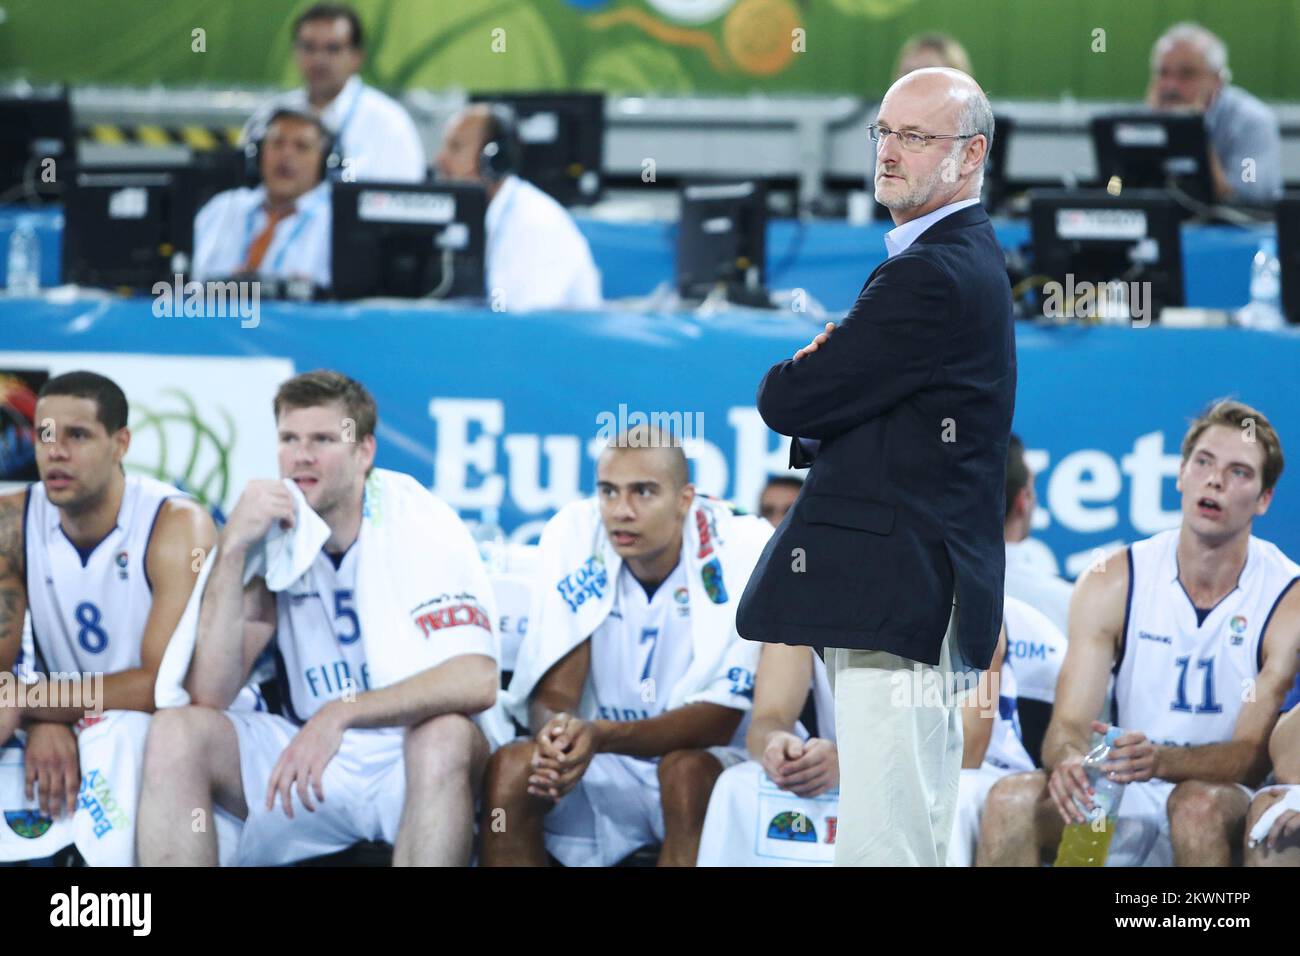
(90, 635)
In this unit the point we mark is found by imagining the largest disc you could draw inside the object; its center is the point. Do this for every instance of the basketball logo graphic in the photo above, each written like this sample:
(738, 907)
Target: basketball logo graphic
(792, 825)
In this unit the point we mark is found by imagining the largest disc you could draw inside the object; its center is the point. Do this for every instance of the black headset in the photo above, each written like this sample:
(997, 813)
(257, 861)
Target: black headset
(500, 155)
(331, 164)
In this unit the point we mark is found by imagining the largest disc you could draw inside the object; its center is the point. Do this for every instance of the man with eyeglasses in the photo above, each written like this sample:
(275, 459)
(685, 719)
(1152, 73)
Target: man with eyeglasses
(891, 561)
(1189, 72)
(376, 136)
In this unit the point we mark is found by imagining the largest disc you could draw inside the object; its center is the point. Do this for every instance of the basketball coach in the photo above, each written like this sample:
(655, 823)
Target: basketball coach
(891, 559)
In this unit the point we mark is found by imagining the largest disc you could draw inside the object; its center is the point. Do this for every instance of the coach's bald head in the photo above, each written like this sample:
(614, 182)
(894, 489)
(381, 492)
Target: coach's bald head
(936, 101)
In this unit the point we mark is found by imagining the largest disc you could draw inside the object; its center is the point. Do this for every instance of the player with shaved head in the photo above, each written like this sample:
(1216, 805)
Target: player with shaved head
(618, 759)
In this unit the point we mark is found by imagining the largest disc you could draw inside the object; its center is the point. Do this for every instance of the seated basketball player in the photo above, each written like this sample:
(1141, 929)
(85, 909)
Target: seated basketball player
(631, 679)
(1201, 626)
(354, 759)
(104, 562)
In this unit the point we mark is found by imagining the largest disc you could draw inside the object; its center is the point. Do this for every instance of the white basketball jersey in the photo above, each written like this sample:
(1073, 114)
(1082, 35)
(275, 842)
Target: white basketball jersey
(1006, 751)
(1035, 647)
(1180, 681)
(642, 649)
(320, 655)
(89, 609)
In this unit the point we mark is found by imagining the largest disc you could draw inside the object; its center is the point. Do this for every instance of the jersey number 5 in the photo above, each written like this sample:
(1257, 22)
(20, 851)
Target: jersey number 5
(343, 608)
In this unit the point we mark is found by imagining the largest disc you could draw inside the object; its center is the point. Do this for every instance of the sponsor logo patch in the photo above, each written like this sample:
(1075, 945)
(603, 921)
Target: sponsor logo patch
(28, 824)
(792, 825)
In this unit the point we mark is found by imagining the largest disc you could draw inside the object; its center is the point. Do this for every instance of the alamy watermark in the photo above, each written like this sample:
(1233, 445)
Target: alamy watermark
(922, 686)
(57, 690)
(209, 300)
(652, 430)
(1113, 301)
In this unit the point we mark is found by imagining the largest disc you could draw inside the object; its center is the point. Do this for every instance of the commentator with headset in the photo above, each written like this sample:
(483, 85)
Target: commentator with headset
(278, 227)
(536, 258)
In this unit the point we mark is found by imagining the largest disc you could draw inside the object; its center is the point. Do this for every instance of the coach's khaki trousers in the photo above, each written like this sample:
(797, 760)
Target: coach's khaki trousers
(900, 746)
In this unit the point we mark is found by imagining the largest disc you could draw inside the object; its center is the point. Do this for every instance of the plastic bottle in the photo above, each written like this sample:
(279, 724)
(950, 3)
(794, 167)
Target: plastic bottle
(1265, 308)
(24, 275)
(1086, 844)
(491, 540)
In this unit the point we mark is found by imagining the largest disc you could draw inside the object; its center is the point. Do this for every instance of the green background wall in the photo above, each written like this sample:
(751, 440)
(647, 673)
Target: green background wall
(1019, 48)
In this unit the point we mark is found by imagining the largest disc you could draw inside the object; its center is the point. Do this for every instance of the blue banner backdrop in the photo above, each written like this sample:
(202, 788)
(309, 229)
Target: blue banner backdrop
(495, 410)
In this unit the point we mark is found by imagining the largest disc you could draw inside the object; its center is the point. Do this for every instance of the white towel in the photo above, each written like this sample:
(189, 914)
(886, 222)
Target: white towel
(423, 594)
(577, 569)
(283, 556)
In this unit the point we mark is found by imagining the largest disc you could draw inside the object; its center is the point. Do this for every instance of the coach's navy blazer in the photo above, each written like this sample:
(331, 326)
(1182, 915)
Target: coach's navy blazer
(911, 399)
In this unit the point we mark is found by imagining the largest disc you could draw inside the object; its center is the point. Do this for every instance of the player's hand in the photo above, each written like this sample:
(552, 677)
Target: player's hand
(1132, 757)
(781, 748)
(304, 761)
(262, 503)
(818, 341)
(577, 742)
(546, 758)
(1067, 784)
(814, 772)
(53, 767)
(1285, 827)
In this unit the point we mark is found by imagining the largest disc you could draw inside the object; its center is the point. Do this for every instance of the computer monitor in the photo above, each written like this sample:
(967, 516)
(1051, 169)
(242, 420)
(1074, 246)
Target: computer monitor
(1150, 150)
(721, 240)
(34, 129)
(561, 142)
(216, 170)
(408, 240)
(1096, 238)
(1288, 251)
(128, 227)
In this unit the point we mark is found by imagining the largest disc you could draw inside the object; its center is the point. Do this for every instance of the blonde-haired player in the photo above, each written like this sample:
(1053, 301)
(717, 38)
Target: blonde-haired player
(1200, 626)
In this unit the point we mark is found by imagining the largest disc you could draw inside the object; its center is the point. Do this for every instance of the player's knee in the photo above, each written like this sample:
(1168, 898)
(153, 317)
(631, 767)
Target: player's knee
(507, 774)
(1014, 797)
(686, 779)
(441, 748)
(176, 738)
(1198, 807)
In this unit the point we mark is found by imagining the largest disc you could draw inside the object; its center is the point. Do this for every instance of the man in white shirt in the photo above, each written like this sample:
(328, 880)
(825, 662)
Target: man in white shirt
(375, 134)
(536, 257)
(1031, 573)
(281, 228)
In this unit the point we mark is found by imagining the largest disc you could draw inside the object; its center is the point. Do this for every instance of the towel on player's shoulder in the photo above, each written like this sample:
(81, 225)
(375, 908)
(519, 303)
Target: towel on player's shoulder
(577, 571)
(423, 595)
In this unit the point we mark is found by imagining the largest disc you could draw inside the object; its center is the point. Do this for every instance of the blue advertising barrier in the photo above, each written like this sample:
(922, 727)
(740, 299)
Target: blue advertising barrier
(501, 411)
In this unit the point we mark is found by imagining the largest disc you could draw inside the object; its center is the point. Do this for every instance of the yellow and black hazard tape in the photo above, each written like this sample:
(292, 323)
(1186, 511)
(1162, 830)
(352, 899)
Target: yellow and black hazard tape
(199, 138)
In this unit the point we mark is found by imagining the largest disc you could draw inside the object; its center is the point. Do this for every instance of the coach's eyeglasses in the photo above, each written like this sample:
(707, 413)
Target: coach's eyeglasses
(911, 141)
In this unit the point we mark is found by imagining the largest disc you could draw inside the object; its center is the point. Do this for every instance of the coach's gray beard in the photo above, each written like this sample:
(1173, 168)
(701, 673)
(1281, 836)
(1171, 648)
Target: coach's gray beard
(920, 193)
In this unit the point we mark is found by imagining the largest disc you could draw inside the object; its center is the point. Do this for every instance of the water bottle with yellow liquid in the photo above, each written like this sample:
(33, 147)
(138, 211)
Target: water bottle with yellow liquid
(1086, 844)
